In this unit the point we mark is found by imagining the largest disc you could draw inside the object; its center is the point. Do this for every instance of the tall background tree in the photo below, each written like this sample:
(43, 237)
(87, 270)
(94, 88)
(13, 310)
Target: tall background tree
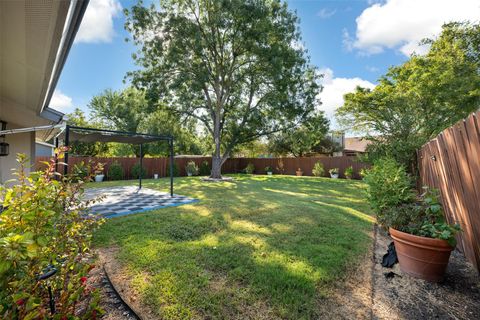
(309, 137)
(91, 149)
(130, 110)
(415, 101)
(235, 66)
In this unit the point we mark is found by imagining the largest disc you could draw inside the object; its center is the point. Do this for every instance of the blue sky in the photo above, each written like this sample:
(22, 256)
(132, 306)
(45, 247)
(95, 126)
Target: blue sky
(351, 42)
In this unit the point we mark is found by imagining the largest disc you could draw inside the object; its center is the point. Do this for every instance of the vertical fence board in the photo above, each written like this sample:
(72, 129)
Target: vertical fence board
(451, 163)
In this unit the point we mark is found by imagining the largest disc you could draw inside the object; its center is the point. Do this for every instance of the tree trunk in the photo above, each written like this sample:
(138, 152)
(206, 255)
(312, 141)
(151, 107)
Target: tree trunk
(217, 158)
(216, 167)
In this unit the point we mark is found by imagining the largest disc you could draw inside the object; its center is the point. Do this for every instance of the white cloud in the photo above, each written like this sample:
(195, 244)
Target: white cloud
(401, 24)
(326, 13)
(348, 42)
(61, 102)
(334, 89)
(97, 23)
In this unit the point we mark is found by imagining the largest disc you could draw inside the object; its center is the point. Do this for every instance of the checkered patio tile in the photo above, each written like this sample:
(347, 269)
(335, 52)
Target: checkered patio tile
(120, 201)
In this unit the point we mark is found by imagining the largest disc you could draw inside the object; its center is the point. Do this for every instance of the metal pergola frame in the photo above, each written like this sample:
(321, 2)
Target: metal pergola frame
(143, 138)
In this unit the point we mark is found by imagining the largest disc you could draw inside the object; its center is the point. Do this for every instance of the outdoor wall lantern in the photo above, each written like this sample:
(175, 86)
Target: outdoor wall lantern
(4, 147)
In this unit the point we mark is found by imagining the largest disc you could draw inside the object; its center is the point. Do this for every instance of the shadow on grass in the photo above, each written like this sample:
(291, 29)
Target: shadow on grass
(281, 240)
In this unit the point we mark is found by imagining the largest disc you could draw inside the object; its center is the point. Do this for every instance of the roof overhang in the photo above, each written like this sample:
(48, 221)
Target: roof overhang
(35, 38)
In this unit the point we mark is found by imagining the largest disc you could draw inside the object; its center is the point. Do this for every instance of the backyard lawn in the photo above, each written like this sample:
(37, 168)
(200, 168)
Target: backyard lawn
(260, 247)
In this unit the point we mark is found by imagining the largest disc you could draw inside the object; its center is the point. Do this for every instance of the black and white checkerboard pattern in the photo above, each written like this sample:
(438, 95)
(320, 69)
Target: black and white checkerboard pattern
(120, 201)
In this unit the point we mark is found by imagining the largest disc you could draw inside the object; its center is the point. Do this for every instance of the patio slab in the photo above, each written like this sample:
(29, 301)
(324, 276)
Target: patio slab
(120, 201)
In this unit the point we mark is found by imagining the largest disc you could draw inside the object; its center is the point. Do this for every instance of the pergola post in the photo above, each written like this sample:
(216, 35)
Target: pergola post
(67, 144)
(56, 158)
(141, 167)
(171, 166)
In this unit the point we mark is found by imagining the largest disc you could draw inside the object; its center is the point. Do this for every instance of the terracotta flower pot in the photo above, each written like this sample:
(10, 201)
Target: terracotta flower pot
(299, 173)
(421, 257)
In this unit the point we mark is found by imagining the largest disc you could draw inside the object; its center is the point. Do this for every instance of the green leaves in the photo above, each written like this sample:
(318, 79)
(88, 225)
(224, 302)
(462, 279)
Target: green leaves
(43, 223)
(231, 66)
(415, 101)
(389, 185)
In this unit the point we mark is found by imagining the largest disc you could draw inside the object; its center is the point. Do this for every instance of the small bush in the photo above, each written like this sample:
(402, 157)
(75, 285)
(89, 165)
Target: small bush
(281, 167)
(115, 172)
(250, 169)
(136, 171)
(44, 228)
(204, 169)
(176, 170)
(389, 185)
(318, 169)
(349, 172)
(191, 168)
(268, 169)
(81, 170)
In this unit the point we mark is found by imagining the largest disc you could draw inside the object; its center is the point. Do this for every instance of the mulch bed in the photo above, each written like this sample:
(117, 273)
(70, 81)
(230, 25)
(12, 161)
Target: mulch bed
(110, 302)
(399, 296)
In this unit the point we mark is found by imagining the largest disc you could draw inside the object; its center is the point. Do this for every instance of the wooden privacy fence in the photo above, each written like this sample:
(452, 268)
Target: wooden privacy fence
(234, 165)
(151, 165)
(451, 163)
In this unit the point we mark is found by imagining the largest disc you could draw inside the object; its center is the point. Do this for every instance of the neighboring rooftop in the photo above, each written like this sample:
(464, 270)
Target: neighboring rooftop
(357, 144)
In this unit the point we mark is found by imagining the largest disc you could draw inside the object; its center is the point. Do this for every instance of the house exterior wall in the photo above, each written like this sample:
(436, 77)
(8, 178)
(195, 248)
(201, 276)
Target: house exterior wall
(19, 143)
(42, 150)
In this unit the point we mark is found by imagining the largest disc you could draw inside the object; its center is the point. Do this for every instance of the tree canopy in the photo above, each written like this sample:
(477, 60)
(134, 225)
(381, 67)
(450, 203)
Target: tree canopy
(78, 118)
(309, 137)
(235, 66)
(130, 110)
(415, 101)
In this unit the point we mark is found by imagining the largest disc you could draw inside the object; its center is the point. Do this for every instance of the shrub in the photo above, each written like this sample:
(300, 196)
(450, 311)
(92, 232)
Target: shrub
(250, 169)
(268, 169)
(281, 167)
(204, 169)
(81, 170)
(115, 172)
(425, 218)
(349, 172)
(334, 171)
(389, 185)
(136, 171)
(44, 228)
(191, 168)
(318, 169)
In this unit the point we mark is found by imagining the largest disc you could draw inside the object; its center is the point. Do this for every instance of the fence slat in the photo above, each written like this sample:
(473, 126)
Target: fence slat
(451, 163)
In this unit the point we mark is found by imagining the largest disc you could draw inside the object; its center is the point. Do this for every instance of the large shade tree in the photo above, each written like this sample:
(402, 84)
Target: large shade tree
(415, 101)
(236, 66)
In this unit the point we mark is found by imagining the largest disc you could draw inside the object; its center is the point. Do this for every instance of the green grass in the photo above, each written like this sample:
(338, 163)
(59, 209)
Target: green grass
(260, 247)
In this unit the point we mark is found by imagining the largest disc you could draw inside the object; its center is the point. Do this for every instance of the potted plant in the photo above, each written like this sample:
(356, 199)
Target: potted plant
(299, 172)
(349, 172)
(269, 170)
(333, 173)
(191, 168)
(99, 175)
(423, 238)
